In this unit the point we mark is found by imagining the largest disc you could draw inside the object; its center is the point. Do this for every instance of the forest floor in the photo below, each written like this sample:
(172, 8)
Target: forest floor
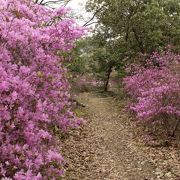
(108, 147)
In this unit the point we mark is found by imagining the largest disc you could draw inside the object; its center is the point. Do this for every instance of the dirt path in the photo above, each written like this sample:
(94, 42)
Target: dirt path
(106, 148)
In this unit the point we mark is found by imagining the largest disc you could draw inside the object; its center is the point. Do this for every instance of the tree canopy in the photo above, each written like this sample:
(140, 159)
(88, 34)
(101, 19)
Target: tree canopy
(142, 26)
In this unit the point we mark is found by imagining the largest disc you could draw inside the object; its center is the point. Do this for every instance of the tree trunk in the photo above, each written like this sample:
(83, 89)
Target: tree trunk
(107, 80)
(140, 43)
(175, 128)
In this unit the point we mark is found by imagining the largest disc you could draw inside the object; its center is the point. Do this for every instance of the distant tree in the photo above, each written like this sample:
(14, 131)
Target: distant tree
(141, 26)
(80, 55)
(131, 30)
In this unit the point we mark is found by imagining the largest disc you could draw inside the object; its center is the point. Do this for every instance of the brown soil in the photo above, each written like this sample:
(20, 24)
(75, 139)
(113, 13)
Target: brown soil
(107, 147)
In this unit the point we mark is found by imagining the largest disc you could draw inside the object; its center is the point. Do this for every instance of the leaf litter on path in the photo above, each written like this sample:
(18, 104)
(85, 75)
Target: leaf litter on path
(106, 148)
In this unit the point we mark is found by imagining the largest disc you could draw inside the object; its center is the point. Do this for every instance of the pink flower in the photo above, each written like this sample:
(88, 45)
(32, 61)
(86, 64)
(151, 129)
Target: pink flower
(34, 92)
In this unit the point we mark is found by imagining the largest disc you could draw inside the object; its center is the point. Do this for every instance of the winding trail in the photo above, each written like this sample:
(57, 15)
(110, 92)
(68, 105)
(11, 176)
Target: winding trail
(107, 147)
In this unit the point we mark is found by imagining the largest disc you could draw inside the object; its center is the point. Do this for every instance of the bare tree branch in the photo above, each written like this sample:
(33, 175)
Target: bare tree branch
(51, 2)
(95, 22)
(94, 15)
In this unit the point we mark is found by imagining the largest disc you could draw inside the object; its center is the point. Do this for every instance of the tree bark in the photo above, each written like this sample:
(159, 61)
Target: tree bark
(175, 128)
(140, 43)
(107, 80)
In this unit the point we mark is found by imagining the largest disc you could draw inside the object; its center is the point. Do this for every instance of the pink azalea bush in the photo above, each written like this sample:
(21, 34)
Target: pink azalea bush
(33, 88)
(155, 88)
(86, 82)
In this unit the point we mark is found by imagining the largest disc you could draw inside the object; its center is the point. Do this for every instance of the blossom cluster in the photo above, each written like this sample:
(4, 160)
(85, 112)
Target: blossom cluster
(155, 88)
(34, 91)
(86, 82)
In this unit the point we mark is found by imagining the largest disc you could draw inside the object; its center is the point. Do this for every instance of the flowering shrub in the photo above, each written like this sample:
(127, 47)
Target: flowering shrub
(86, 82)
(155, 88)
(33, 88)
